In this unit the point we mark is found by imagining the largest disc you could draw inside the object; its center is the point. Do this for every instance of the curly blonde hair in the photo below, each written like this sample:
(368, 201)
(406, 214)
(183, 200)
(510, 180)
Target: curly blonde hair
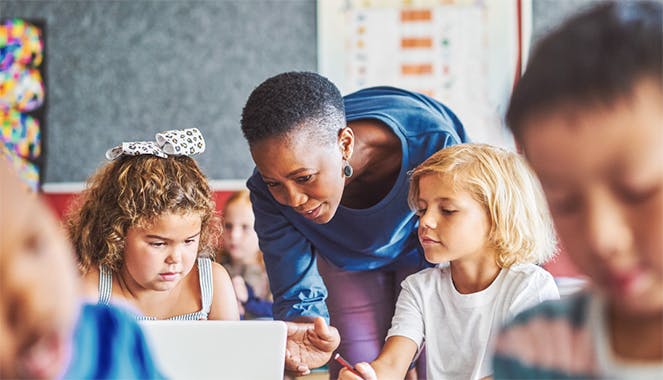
(521, 227)
(133, 191)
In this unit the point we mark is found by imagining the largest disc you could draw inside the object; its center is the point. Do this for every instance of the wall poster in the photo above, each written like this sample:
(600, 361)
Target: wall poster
(465, 53)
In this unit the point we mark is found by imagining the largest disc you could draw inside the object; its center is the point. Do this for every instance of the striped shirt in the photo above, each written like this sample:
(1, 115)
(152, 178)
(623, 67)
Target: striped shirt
(565, 339)
(206, 287)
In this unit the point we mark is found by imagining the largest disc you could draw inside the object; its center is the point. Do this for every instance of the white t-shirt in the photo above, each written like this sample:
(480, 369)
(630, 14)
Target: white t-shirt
(459, 329)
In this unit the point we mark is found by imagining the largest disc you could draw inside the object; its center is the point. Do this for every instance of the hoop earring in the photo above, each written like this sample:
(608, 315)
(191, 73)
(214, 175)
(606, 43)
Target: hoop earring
(347, 169)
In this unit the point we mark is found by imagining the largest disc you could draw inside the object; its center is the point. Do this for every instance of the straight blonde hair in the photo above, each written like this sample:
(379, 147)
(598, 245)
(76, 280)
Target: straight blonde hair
(521, 227)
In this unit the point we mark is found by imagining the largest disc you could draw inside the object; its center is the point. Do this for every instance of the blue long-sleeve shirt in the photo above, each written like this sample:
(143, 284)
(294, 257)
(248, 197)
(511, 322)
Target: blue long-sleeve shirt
(380, 236)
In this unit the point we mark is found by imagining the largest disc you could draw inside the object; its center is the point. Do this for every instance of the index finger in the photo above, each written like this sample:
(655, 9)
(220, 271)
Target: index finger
(295, 327)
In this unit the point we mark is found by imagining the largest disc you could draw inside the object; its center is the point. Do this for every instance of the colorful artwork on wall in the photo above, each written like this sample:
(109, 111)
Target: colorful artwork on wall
(22, 94)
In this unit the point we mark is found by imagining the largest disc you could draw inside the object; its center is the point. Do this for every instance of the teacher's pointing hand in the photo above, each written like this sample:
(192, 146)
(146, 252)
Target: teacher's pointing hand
(309, 345)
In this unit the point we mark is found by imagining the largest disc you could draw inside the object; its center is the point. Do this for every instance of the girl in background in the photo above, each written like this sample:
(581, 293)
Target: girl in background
(242, 258)
(481, 210)
(145, 231)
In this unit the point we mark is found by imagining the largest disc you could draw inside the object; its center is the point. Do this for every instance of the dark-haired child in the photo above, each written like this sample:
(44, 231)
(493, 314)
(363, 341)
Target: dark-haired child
(588, 113)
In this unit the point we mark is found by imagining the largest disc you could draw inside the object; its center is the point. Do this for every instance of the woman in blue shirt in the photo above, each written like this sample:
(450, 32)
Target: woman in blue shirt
(330, 199)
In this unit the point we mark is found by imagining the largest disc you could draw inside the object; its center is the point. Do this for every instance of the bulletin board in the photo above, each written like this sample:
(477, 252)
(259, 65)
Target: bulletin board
(465, 53)
(23, 97)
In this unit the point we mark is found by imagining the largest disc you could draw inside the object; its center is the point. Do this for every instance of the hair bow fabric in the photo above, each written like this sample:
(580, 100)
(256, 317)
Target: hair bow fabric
(176, 142)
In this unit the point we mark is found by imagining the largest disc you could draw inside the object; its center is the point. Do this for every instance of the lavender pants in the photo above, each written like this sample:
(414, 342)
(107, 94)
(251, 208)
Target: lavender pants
(361, 305)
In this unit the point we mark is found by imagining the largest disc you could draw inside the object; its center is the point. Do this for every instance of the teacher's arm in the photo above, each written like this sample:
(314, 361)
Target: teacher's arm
(298, 290)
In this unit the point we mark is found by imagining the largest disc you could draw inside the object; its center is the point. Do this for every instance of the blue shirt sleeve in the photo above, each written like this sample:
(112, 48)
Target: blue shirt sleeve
(109, 344)
(291, 264)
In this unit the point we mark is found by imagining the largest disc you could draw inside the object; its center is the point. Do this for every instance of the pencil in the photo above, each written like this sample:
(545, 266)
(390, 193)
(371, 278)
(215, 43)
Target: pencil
(345, 364)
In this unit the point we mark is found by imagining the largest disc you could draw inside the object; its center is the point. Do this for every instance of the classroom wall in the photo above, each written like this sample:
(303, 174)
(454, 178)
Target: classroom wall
(546, 14)
(124, 70)
(119, 70)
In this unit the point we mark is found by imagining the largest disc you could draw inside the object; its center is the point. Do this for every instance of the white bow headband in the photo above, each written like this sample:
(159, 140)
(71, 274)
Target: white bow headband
(177, 142)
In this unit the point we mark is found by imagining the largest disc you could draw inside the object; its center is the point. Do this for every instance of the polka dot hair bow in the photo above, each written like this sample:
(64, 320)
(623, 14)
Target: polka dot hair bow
(177, 142)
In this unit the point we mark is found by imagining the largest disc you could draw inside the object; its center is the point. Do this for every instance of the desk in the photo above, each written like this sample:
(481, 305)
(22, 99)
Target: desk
(316, 374)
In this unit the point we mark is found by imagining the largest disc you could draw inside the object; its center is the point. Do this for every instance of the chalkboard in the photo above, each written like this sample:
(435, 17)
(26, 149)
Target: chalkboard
(124, 70)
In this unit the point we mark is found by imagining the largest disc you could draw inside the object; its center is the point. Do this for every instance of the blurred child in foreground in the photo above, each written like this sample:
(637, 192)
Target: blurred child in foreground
(588, 114)
(46, 331)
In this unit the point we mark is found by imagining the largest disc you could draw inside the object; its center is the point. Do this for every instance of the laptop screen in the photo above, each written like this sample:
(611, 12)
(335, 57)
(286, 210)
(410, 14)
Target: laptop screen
(218, 349)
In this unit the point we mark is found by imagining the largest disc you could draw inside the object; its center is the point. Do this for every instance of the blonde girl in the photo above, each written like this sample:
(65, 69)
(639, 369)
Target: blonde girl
(482, 212)
(242, 258)
(145, 230)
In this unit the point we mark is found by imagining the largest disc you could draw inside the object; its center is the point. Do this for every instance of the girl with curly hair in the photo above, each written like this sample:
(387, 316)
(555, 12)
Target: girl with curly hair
(145, 231)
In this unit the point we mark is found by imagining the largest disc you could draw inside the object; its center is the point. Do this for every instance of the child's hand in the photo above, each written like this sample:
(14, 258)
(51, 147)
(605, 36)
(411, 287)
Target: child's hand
(365, 370)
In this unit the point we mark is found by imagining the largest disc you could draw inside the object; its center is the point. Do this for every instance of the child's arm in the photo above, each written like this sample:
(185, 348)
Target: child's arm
(224, 302)
(392, 363)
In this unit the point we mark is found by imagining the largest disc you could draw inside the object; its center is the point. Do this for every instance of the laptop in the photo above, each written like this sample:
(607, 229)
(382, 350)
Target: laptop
(218, 349)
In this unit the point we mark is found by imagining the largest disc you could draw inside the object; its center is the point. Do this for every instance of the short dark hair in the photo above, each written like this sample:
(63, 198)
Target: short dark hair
(283, 103)
(596, 57)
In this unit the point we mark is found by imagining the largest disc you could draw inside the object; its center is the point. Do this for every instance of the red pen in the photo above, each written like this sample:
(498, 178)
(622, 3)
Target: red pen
(345, 364)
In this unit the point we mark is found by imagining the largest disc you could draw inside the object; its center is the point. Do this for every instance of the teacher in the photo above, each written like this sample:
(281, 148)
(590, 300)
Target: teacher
(330, 199)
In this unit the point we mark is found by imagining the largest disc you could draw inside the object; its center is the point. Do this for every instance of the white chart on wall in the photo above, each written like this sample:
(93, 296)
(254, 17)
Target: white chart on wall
(463, 53)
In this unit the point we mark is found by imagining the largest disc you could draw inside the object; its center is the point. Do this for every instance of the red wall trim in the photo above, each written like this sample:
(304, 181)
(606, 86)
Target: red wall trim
(60, 201)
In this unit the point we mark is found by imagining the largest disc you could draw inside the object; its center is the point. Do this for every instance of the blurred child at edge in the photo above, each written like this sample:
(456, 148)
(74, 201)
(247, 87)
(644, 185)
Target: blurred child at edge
(46, 332)
(481, 210)
(588, 113)
(242, 258)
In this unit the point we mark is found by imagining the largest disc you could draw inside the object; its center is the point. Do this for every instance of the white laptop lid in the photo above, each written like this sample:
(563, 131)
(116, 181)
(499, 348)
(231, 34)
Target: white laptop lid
(218, 349)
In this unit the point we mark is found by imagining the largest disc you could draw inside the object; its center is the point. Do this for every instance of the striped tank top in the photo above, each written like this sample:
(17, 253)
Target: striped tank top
(206, 287)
